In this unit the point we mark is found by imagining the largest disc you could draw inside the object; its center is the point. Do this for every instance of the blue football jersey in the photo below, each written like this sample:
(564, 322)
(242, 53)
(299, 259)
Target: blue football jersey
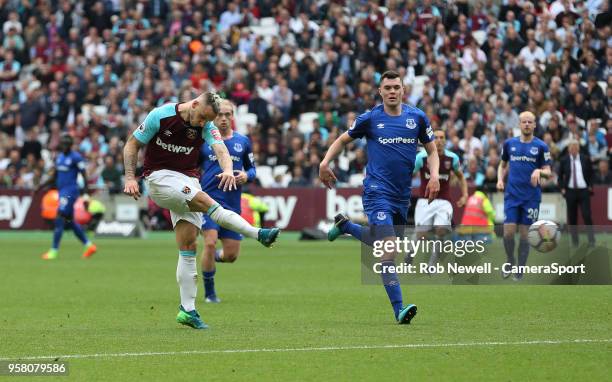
(239, 148)
(523, 158)
(392, 147)
(67, 168)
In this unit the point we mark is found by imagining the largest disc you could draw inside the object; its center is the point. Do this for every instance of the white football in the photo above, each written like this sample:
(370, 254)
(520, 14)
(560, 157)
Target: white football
(544, 235)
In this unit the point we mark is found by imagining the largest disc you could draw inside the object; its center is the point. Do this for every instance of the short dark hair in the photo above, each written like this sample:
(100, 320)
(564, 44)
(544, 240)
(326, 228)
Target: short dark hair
(390, 74)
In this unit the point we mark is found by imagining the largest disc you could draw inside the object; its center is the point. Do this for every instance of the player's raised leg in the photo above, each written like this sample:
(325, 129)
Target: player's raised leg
(343, 225)
(231, 220)
(187, 274)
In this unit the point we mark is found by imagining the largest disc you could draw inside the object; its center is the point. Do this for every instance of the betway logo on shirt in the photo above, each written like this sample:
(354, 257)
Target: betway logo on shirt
(173, 148)
(522, 158)
(396, 140)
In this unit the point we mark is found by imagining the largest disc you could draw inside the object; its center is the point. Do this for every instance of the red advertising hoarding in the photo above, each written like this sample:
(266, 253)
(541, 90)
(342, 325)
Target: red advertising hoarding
(289, 208)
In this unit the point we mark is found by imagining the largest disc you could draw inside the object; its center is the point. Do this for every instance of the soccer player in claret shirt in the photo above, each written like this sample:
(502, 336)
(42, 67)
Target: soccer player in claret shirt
(528, 161)
(173, 134)
(68, 165)
(438, 214)
(392, 131)
(239, 148)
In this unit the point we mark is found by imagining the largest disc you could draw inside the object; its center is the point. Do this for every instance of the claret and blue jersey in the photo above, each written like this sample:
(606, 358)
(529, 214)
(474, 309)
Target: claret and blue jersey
(67, 168)
(391, 147)
(521, 198)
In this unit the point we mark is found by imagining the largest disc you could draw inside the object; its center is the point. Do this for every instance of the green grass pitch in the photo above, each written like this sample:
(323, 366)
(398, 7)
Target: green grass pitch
(297, 311)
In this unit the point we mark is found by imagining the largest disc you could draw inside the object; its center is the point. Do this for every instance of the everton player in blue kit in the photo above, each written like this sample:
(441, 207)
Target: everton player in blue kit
(392, 131)
(528, 161)
(68, 165)
(239, 148)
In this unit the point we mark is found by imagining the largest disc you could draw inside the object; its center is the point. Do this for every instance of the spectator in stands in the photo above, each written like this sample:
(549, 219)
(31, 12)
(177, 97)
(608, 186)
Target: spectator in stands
(297, 178)
(473, 175)
(80, 57)
(31, 146)
(602, 175)
(111, 176)
(469, 144)
(490, 181)
(9, 69)
(358, 164)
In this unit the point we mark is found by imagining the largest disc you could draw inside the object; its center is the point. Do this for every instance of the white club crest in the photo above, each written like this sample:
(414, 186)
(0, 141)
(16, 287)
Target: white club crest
(238, 147)
(410, 123)
(533, 151)
(381, 215)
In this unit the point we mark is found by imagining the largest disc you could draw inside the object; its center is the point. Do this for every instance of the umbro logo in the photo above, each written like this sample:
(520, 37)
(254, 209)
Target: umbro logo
(167, 133)
(381, 125)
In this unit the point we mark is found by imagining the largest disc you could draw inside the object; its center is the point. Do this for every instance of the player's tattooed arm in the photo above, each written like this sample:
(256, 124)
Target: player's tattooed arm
(130, 159)
(227, 181)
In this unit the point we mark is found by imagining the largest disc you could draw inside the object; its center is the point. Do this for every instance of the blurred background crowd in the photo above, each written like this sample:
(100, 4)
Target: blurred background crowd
(300, 71)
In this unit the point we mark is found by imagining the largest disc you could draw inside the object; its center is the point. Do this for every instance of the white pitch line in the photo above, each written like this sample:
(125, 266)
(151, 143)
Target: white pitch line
(329, 348)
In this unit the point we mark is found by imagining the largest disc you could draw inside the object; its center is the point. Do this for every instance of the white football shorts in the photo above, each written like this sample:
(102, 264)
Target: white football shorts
(172, 190)
(437, 213)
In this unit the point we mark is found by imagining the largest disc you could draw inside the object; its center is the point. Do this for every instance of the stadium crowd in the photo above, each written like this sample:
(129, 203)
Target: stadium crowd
(95, 68)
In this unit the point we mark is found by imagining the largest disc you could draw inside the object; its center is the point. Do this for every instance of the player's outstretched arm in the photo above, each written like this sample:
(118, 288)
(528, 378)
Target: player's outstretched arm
(325, 173)
(433, 162)
(227, 181)
(501, 169)
(130, 159)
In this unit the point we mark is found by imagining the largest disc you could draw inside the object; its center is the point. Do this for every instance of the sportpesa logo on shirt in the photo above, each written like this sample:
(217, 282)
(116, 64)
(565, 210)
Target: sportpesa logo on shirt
(522, 158)
(213, 158)
(396, 140)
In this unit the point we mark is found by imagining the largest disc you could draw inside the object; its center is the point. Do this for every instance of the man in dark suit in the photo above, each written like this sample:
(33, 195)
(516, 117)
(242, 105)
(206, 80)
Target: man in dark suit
(575, 181)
